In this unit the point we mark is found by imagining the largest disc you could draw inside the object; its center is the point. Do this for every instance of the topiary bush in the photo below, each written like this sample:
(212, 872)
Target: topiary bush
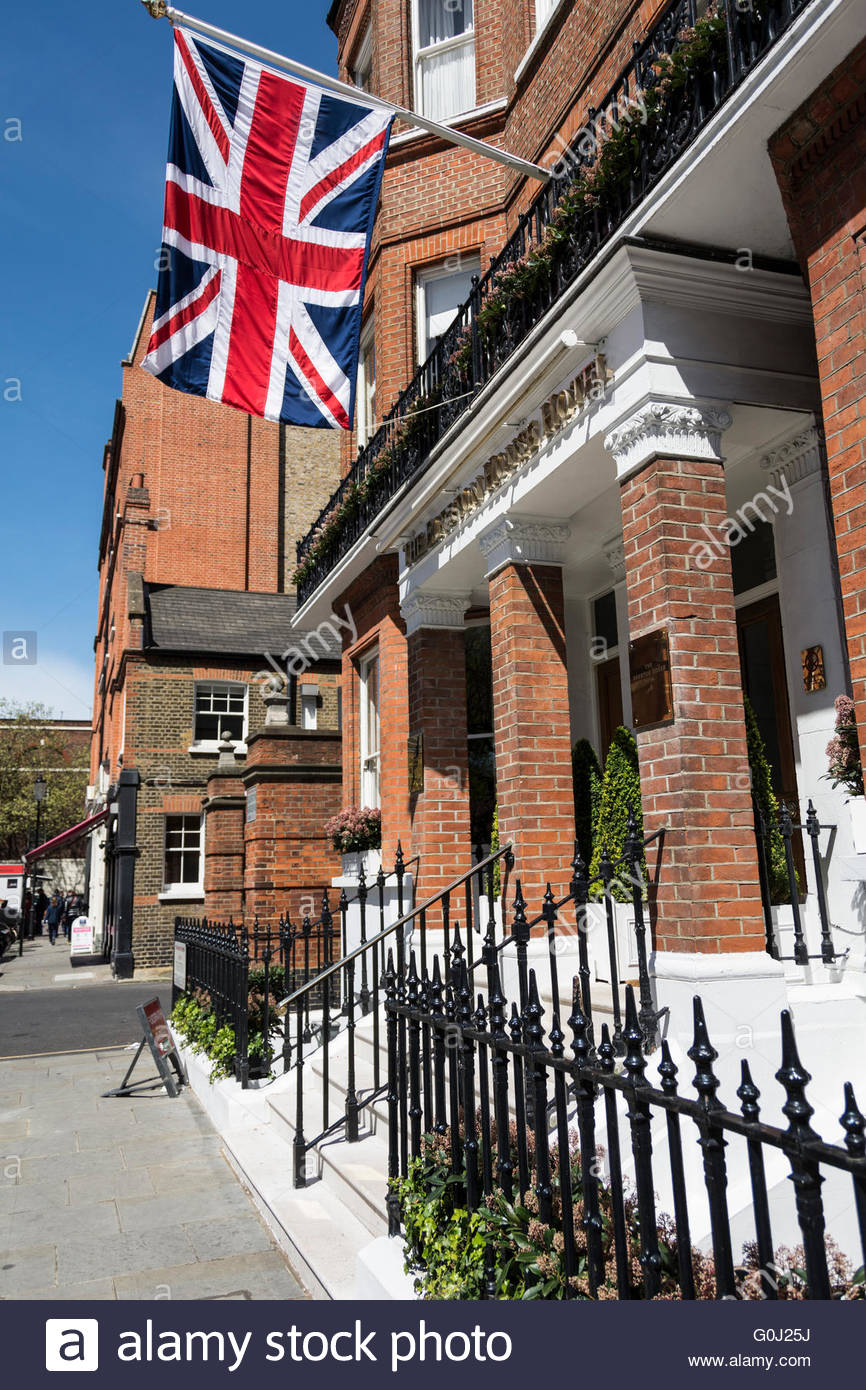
(586, 778)
(620, 794)
(768, 805)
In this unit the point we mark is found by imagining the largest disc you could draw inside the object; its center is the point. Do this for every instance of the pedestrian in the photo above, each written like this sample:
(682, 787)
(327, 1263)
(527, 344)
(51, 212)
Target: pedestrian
(71, 910)
(54, 917)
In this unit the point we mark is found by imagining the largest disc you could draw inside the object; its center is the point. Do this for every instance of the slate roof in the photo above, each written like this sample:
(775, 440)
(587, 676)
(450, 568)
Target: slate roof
(228, 622)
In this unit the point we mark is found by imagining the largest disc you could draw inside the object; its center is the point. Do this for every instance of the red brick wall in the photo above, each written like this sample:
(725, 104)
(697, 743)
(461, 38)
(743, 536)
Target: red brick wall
(224, 847)
(288, 858)
(437, 711)
(531, 726)
(197, 487)
(694, 772)
(819, 157)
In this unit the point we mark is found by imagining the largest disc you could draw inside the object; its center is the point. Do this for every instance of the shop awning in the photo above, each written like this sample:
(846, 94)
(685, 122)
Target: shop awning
(65, 837)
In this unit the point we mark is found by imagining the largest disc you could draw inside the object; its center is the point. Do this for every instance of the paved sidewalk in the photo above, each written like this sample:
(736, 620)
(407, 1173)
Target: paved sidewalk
(43, 966)
(121, 1199)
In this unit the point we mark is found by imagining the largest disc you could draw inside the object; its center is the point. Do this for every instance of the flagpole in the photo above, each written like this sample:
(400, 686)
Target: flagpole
(160, 10)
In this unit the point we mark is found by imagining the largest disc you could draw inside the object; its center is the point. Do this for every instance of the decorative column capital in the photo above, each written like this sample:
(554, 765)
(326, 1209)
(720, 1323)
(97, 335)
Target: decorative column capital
(423, 609)
(796, 457)
(523, 541)
(683, 430)
(614, 553)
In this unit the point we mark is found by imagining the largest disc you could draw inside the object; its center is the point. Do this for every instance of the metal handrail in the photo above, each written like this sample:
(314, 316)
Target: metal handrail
(504, 851)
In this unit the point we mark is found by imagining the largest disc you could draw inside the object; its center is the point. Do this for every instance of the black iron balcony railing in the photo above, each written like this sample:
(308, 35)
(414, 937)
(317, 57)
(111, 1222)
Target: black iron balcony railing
(691, 60)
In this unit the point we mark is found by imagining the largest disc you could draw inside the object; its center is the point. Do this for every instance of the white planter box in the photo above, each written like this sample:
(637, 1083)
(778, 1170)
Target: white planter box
(371, 859)
(857, 811)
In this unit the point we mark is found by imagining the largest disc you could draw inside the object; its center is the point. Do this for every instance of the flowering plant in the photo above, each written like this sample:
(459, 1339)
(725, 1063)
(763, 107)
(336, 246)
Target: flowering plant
(355, 829)
(843, 750)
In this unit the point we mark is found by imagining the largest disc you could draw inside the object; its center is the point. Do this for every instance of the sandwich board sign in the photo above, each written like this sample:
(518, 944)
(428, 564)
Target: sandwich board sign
(81, 937)
(157, 1036)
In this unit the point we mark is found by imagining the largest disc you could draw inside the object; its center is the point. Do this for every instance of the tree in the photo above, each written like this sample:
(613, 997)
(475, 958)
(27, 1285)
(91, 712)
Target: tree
(620, 793)
(30, 746)
(586, 777)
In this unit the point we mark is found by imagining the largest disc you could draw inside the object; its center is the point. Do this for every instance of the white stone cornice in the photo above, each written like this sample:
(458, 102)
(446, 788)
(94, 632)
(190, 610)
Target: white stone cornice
(796, 457)
(672, 429)
(614, 553)
(423, 609)
(523, 541)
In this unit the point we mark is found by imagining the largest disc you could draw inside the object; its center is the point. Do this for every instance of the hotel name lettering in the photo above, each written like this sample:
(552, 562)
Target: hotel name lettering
(555, 412)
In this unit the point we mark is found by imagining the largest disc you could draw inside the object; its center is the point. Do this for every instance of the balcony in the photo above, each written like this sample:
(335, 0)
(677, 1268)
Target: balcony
(690, 63)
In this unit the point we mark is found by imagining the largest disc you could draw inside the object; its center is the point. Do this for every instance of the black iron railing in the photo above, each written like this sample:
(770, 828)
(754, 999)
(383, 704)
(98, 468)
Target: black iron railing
(241, 972)
(500, 1097)
(469, 354)
(777, 860)
(361, 971)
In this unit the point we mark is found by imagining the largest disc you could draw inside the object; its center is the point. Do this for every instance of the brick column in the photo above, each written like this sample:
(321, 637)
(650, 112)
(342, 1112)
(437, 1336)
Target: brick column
(819, 157)
(293, 777)
(531, 727)
(437, 713)
(694, 771)
(224, 810)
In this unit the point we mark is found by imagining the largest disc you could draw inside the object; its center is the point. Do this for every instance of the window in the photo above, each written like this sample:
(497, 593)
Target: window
(543, 10)
(370, 730)
(439, 293)
(220, 708)
(444, 42)
(604, 626)
(309, 706)
(365, 398)
(362, 68)
(183, 860)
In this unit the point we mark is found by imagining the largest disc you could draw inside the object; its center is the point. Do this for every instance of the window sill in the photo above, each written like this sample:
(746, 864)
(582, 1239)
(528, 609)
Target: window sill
(537, 41)
(211, 750)
(182, 893)
(488, 109)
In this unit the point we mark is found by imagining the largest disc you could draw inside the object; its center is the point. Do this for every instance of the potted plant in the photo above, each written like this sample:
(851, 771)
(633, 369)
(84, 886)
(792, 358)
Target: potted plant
(846, 770)
(357, 833)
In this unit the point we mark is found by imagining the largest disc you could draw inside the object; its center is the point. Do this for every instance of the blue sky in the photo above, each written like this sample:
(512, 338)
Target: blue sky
(88, 90)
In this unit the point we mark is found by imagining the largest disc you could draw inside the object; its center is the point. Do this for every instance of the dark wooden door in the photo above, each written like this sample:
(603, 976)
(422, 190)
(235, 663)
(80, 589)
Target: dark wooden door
(609, 701)
(762, 662)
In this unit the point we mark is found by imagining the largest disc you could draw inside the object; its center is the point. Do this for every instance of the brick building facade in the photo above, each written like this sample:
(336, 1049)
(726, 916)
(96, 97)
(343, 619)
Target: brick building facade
(203, 506)
(658, 438)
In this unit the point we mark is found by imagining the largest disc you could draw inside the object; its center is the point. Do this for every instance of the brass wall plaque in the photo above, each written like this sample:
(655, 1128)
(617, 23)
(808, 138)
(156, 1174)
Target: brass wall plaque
(415, 743)
(649, 661)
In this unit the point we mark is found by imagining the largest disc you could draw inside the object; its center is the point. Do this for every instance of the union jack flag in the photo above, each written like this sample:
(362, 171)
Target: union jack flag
(270, 194)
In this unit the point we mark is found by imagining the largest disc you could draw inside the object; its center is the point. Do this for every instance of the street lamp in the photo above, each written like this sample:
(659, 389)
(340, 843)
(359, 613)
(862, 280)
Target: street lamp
(40, 787)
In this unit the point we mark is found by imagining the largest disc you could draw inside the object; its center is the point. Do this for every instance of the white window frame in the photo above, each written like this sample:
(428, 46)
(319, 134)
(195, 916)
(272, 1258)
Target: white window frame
(365, 408)
(308, 699)
(419, 54)
(211, 745)
(370, 749)
(471, 261)
(362, 67)
(192, 891)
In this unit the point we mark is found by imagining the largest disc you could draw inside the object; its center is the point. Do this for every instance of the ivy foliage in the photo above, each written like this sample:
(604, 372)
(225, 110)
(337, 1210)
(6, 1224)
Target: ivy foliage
(504, 1247)
(768, 805)
(620, 794)
(586, 778)
(195, 1019)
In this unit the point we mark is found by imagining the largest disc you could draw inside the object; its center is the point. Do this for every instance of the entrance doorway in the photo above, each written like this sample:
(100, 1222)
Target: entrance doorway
(762, 664)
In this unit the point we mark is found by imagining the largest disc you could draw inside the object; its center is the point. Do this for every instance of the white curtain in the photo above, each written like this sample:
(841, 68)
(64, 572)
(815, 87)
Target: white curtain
(447, 82)
(442, 19)
(543, 10)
